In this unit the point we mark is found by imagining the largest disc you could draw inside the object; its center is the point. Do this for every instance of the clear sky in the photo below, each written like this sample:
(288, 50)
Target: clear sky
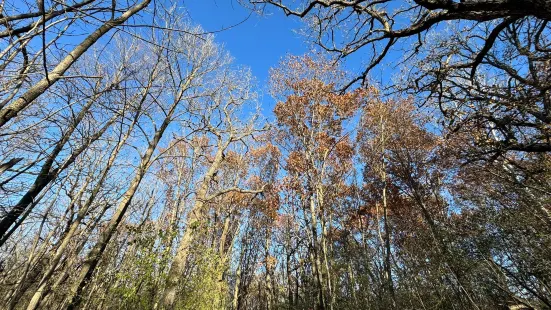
(260, 42)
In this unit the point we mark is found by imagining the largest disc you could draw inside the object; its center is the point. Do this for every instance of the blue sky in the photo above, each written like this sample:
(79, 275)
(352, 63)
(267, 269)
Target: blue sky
(259, 43)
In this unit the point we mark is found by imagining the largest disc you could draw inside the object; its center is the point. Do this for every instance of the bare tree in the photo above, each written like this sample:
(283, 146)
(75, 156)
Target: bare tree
(62, 150)
(182, 65)
(218, 117)
(379, 25)
(20, 37)
(499, 96)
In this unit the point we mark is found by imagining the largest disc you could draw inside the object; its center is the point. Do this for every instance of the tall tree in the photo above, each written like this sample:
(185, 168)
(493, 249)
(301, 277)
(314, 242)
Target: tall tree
(312, 119)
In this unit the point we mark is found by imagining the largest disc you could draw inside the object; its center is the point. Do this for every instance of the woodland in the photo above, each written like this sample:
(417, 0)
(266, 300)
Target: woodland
(139, 169)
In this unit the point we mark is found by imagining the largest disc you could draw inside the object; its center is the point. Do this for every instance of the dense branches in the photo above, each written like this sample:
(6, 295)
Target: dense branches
(480, 61)
(381, 24)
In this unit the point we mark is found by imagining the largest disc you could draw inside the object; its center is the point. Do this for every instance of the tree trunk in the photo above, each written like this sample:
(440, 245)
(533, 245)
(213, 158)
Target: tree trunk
(47, 174)
(10, 163)
(42, 286)
(316, 263)
(93, 257)
(195, 217)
